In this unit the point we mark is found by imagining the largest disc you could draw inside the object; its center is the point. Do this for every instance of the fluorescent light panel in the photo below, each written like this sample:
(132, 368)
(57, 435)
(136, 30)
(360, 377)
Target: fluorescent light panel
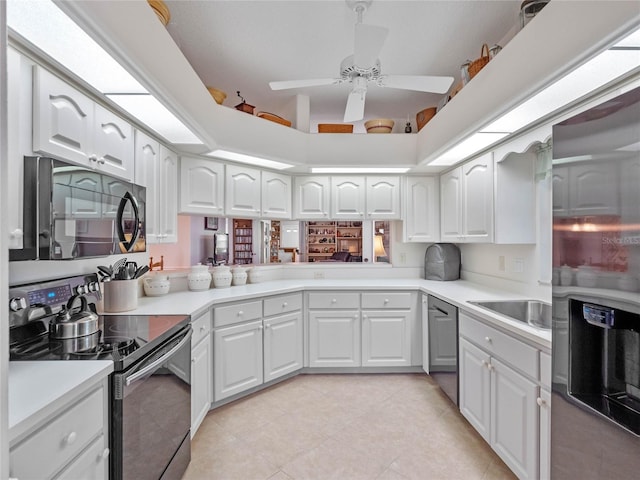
(148, 110)
(603, 68)
(44, 25)
(359, 169)
(249, 159)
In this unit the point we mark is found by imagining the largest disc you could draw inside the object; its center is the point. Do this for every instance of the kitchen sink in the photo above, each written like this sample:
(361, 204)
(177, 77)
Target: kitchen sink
(533, 312)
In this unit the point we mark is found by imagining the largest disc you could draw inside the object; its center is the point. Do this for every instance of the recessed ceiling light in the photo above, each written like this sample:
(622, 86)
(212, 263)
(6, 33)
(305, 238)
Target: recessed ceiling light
(249, 159)
(360, 169)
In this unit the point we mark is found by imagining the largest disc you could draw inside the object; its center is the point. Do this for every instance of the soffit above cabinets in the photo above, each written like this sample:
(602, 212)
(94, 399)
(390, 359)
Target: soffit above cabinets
(561, 37)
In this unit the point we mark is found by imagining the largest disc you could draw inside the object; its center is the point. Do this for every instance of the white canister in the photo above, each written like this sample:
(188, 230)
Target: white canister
(199, 278)
(566, 275)
(255, 275)
(156, 285)
(239, 274)
(587, 276)
(222, 276)
(628, 283)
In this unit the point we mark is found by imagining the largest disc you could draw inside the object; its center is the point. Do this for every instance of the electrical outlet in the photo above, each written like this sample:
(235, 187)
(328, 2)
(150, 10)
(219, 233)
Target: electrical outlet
(501, 263)
(518, 265)
(403, 258)
(318, 275)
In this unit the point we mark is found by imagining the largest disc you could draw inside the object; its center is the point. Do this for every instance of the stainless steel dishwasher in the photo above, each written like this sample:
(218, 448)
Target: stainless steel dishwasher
(443, 345)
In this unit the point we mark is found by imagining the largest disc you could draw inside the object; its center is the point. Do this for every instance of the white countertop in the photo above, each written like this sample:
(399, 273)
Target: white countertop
(38, 388)
(458, 293)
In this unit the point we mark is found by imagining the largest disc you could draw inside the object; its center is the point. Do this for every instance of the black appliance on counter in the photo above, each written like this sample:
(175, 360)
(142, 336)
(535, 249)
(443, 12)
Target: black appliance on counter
(74, 212)
(595, 401)
(150, 389)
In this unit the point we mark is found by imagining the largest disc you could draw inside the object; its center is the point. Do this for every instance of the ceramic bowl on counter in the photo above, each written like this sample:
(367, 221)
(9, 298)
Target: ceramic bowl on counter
(156, 285)
(222, 276)
(199, 278)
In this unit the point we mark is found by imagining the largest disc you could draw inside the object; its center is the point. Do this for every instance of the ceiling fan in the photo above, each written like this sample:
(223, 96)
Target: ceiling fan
(363, 67)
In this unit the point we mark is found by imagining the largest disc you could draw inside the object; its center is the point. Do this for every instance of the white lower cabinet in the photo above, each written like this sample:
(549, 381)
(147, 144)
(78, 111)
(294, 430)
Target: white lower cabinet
(201, 370)
(251, 348)
(73, 443)
(334, 338)
(237, 359)
(498, 401)
(544, 402)
(372, 329)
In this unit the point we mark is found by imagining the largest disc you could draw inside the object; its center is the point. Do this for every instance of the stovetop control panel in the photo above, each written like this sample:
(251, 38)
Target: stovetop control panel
(39, 300)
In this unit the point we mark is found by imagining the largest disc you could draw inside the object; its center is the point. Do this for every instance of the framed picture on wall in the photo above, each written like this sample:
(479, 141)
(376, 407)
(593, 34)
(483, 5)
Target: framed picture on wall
(210, 223)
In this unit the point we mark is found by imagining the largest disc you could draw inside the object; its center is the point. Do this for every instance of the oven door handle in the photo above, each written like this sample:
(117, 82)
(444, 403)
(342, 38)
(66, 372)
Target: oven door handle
(159, 361)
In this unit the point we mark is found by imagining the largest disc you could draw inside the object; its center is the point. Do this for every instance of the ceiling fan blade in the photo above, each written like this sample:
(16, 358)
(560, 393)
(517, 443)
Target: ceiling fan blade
(355, 105)
(420, 83)
(312, 82)
(368, 44)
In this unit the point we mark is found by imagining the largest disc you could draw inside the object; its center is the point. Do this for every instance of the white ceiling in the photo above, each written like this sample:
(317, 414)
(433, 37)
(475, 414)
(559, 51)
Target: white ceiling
(242, 45)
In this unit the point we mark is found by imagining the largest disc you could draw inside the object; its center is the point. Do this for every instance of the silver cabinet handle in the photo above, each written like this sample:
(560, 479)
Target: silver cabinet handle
(105, 453)
(541, 402)
(93, 158)
(487, 339)
(284, 305)
(70, 439)
(240, 313)
(101, 161)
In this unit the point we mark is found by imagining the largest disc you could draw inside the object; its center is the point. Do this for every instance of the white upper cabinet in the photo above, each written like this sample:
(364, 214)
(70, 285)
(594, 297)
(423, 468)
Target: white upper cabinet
(157, 170)
(477, 199)
(113, 143)
(311, 200)
(630, 194)
(421, 210)
(466, 200)
(276, 195)
(348, 197)
(383, 198)
(201, 186)
(451, 206)
(242, 192)
(70, 126)
(560, 191)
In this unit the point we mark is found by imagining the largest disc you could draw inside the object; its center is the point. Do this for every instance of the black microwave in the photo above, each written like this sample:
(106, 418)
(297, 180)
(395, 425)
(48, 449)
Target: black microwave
(75, 212)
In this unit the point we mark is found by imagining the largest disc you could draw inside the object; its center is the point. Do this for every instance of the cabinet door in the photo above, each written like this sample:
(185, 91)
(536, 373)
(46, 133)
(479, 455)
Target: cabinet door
(386, 339)
(593, 189)
(425, 333)
(560, 191)
(201, 186)
(276, 195)
(62, 119)
(201, 380)
(383, 198)
(113, 144)
(311, 200)
(237, 359)
(168, 196)
(544, 402)
(282, 345)
(421, 211)
(347, 197)
(334, 339)
(242, 192)
(477, 200)
(475, 388)
(514, 420)
(450, 206)
(147, 167)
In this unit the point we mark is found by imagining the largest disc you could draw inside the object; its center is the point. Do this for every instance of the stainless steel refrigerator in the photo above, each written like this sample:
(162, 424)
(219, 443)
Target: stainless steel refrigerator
(595, 405)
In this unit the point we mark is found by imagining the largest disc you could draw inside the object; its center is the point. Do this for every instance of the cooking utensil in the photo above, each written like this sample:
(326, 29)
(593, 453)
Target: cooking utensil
(71, 325)
(106, 272)
(118, 265)
(141, 271)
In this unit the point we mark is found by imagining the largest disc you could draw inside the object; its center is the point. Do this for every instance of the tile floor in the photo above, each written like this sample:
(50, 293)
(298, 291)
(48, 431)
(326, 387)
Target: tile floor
(343, 427)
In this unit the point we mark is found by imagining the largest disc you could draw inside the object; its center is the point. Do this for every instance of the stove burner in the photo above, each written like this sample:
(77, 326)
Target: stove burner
(115, 347)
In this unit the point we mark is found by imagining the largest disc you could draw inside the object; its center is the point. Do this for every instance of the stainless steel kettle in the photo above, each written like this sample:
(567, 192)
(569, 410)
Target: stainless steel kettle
(72, 325)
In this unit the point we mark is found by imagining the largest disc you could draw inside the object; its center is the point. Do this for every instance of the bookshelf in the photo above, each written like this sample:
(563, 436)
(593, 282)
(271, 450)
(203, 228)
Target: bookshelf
(326, 238)
(242, 241)
(275, 241)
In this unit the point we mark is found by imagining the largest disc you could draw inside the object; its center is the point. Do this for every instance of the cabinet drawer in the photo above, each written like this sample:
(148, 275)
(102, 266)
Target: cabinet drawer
(282, 304)
(91, 464)
(239, 312)
(54, 445)
(387, 300)
(545, 369)
(201, 327)
(509, 349)
(337, 300)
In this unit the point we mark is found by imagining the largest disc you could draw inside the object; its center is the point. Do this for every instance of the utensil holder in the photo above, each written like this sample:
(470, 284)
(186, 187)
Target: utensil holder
(120, 295)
